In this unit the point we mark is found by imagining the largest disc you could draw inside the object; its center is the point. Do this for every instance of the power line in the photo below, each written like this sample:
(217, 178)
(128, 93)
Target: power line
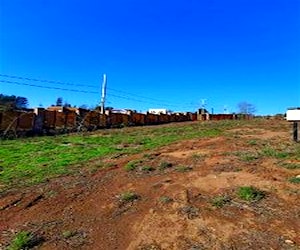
(127, 93)
(83, 85)
(47, 87)
(152, 100)
(47, 81)
(149, 102)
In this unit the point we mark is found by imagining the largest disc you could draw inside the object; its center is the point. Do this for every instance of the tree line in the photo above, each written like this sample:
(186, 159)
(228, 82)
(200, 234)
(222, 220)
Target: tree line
(12, 102)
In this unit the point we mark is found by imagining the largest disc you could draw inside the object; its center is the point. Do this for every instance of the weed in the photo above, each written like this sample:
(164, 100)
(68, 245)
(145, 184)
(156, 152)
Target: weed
(128, 196)
(190, 211)
(149, 156)
(68, 234)
(165, 199)
(220, 201)
(24, 240)
(290, 165)
(295, 180)
(250, 193)
(164, 165)
(197, 157)
(183, 169)
(148, 168)
(132, 165)
(271, 152)
(247, 156)
(252, 142)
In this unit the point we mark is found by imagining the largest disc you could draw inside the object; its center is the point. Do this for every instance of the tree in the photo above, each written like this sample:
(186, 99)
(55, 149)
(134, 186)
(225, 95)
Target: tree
(109, 108)
(12, 102)
(246, 108)
(21, 102)
(59, 101)
(67, 105)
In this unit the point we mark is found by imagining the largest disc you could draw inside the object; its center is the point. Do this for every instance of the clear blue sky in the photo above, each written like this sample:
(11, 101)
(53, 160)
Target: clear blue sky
(163, 54)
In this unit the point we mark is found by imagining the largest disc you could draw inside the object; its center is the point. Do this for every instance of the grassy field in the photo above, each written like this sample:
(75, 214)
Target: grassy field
(33, 160)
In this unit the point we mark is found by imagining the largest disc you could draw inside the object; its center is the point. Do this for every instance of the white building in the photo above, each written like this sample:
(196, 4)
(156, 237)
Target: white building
(158, 111)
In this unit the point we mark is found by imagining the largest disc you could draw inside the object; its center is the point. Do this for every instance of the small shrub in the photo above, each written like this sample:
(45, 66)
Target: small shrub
(164, 165)
(295, 180)
(220, 201)
(183, 168)
(250, 193)
(128, 196)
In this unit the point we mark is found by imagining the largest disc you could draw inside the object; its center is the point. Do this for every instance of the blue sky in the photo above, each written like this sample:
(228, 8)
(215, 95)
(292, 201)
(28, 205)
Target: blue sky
(156, 54)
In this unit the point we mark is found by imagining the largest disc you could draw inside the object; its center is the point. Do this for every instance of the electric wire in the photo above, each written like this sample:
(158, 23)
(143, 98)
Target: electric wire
(84, 85)
(152, 100)
(47, 81)
(47, 87)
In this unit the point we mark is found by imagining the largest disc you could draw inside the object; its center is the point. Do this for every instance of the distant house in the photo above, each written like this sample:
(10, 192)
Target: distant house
(61, 109)
(158, 111)
(121, 111)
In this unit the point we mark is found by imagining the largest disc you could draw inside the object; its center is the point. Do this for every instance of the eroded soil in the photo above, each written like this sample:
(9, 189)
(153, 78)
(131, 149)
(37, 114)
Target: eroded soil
(175, 187)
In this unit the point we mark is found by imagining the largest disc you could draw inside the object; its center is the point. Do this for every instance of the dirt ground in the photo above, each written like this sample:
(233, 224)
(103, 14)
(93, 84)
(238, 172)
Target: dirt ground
(173, 208)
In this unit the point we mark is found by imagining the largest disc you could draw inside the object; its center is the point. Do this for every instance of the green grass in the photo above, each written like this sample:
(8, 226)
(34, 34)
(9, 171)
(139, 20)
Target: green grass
(290, 165)
(165, 199)
(132, 165)
(183, 169)
(247, 156)
(148, 168)
(33, 160)
(250, 193)
(295, 180)
(275, 153)
(22, 240)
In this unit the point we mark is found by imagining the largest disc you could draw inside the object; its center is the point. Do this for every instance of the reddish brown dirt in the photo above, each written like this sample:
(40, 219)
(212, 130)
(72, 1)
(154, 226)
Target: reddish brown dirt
(173, 209)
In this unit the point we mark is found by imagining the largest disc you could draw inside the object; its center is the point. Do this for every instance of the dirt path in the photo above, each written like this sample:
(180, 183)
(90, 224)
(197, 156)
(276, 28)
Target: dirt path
(174, 207)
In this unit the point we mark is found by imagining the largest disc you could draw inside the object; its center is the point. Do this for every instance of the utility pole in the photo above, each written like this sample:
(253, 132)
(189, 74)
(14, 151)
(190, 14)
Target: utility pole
(103, 94)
